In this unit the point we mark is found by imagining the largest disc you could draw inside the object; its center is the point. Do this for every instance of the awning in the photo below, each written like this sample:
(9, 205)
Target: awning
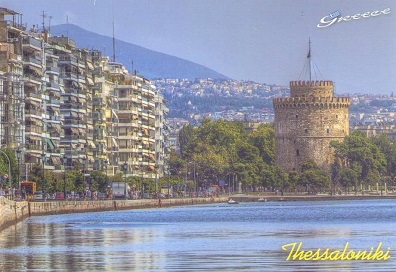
(90, 66)
(33, 138)
(74, 131)
(108, 114)
(49, 143)
(51, 108)
(56, 126)
(145, 130)
(81, 131)
(91, 144)
(114, 142)
(151, 167)
(37, 122)
(55, 160)
(152, 157)
(90, 127)
(90, 81)
(35, 155)
(114, 113)
(33, 102)
(74, 114)
(35, 69)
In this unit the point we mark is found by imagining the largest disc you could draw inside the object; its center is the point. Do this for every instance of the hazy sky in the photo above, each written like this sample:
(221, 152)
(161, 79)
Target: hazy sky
(260, 40)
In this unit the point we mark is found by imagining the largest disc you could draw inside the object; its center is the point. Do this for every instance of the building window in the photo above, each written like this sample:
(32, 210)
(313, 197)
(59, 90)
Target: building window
(336, 116)
(306, 130)
(328, 131)
(298, 152)
(296, 116)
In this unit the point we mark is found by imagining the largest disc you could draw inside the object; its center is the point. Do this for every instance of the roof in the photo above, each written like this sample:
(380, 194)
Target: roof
(6, 11)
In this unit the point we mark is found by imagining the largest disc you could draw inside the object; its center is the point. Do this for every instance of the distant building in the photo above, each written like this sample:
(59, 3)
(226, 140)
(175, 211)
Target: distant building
(375, 130)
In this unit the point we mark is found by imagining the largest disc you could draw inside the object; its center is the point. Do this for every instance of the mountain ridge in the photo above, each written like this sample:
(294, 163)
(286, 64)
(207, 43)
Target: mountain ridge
(149, 63)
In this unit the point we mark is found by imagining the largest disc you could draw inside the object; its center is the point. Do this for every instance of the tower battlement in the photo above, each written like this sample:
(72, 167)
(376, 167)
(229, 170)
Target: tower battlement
(310, 101)
(303, 83)
(323, 88)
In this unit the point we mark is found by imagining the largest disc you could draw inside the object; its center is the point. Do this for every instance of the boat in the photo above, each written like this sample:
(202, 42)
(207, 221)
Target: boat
(231, 201)
(262, 199)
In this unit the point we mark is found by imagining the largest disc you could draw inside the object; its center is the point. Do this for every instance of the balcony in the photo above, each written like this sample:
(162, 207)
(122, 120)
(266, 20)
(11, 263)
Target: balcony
(52, 69)
(32, 43)
(53, 86)
(33, 112)
(32, 61)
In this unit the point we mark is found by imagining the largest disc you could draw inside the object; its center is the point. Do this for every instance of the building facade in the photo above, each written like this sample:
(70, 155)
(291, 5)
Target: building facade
(306, 123)
(71, 108)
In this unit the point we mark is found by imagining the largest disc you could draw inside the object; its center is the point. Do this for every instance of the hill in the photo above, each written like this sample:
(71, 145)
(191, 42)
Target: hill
(149, 63)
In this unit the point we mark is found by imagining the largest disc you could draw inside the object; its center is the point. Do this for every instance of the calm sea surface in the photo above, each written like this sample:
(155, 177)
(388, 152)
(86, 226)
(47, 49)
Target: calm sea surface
(220, 237)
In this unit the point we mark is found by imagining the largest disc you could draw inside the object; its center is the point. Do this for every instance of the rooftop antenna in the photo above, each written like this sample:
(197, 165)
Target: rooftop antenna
(49, 24)
(67, 18)
(114, 57)
(44, 15)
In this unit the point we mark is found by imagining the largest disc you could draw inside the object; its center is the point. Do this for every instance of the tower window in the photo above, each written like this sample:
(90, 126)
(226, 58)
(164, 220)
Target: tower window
(298, 152)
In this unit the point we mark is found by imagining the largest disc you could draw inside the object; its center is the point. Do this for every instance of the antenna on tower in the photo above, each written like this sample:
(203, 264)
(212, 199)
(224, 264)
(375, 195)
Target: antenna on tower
(309, 60)
(310, 68)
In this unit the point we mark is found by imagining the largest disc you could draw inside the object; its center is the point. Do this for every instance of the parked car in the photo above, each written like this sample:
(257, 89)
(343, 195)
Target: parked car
(59, 195)
(38, 195)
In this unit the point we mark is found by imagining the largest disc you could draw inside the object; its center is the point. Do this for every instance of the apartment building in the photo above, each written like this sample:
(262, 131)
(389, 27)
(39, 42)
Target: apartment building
(71, 108)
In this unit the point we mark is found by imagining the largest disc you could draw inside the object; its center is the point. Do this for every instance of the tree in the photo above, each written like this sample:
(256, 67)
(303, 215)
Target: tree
(264, 139)
(313, 177)
(316, 179)
(355, 150)
(388, 148)
(348, 177)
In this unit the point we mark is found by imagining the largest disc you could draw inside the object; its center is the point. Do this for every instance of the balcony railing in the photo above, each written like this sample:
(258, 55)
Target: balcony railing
(31, 41)
(53, 69)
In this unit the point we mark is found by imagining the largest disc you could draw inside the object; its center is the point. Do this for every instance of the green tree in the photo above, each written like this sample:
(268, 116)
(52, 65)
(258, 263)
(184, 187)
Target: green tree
(358, 149)
(264, 139)
(348, 177)
(314, 178)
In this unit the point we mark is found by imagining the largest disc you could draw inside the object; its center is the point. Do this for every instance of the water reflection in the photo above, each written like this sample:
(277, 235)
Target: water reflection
(183, 238)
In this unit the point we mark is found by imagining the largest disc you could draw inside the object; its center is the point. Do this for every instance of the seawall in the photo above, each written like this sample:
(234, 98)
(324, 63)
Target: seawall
(11, 212)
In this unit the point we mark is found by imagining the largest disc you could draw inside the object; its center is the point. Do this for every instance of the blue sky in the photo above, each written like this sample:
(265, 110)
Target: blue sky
(260, 40)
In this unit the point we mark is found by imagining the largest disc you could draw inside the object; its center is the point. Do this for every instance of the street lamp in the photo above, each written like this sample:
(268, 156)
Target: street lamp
(84, 159)
(18, 153)
(64, 175)
(169, 172)
(105, 163)
(43, 161)
(125, 170)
